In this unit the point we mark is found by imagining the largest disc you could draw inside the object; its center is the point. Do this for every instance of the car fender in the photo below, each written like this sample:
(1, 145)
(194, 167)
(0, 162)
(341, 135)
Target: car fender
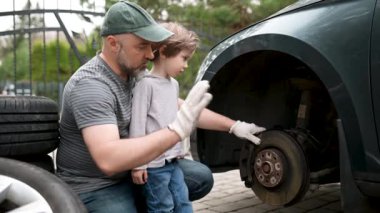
(314, 59)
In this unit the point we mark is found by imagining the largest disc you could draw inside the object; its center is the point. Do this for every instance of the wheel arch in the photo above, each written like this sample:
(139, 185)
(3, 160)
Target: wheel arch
(317, 63)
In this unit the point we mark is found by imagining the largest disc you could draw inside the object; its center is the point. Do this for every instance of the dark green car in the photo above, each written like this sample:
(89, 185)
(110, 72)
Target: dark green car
(310, 74)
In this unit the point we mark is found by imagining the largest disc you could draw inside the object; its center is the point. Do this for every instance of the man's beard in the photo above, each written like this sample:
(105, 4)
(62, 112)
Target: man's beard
(131, 72)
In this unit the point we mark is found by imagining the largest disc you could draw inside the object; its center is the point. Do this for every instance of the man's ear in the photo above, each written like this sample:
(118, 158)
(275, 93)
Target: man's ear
(112, 42)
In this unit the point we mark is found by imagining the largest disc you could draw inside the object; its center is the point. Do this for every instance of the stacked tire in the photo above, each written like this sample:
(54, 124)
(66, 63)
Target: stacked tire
(29, 131)
(28, 125)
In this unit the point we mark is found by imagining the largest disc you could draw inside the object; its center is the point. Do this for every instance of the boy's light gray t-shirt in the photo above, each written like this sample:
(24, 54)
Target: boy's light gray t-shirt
(154, 107)
(94, 95)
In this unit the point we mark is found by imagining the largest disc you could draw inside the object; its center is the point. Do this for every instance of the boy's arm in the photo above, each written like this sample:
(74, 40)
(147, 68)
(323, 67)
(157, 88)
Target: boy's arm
(140, 104)
(214, 121)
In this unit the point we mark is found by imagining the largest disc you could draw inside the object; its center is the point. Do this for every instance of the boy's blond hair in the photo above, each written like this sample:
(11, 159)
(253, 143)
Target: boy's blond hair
(183, 39)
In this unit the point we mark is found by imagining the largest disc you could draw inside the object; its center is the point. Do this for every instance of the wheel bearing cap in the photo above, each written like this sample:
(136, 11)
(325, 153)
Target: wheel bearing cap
(269, 167)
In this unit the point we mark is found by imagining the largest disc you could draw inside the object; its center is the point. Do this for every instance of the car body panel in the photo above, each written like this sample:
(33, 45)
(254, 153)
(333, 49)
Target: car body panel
(297, 5)
(313, 34)
(375, 65)
(333, 39)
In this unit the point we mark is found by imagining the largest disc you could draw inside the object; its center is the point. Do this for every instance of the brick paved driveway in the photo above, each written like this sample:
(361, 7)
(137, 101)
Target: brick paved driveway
(230, 195)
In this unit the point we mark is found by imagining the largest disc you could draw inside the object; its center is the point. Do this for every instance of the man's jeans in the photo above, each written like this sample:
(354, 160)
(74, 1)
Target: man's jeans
(120, 198)
(115, 198)
(166, 190)
(198, 178)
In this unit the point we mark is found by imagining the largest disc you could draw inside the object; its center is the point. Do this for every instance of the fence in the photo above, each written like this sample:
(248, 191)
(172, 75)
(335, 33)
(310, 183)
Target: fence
(37, 59)
(22, 70)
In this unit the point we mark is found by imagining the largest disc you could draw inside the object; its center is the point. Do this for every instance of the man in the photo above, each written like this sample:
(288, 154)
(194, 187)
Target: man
(95, 153)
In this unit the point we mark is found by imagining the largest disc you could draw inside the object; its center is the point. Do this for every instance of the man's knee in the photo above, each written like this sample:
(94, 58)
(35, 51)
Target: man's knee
(198, 178)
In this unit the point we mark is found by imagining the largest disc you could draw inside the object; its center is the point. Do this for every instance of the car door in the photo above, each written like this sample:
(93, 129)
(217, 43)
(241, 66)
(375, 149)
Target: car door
(375, 65)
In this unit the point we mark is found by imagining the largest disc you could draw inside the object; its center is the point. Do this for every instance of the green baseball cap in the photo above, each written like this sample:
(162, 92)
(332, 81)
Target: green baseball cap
(128, 17)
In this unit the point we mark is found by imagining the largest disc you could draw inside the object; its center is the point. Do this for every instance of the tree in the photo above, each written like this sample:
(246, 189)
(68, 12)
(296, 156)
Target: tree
(7, 68)
(23, 22)
(268, 7)
(212, 20)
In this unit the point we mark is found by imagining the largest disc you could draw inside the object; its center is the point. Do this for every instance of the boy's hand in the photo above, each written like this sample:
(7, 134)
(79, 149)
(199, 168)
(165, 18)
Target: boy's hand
(188, 114)
(245, 130)
(139, 176)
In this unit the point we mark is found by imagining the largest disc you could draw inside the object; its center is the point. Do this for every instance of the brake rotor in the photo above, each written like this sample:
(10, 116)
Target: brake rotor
(279, 170)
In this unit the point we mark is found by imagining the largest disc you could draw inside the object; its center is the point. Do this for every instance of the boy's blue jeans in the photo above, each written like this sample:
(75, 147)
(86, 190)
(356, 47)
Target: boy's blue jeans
(166, 191)
(121, 197)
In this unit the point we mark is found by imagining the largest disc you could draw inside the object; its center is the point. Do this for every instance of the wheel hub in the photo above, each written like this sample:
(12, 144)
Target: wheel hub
(269, 167)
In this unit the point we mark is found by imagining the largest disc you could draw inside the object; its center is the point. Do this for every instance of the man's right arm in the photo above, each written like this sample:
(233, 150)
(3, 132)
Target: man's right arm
(92, 106)
(113, 155)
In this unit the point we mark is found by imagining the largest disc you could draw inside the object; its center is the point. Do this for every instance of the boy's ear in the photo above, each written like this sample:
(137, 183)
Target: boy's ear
(161, 50)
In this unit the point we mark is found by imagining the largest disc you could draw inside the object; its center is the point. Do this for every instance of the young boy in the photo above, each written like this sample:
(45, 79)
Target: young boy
(154, 109)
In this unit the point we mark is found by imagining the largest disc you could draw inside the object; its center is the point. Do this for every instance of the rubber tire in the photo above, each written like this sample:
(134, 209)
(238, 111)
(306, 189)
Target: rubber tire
(28, 125)
(57, 193)
(43, 161)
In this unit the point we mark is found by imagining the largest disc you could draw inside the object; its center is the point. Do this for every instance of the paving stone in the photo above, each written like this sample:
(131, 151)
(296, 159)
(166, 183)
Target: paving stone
(291, 209)
(247, 210)
(230, 195)
(266, 208)
(205, 211)
(322, 210)
(218, 202)
(334, 206)
(310, 204)
(200, 206)
(329, 197)
(241, 196)
(231, 207)
(318, 192)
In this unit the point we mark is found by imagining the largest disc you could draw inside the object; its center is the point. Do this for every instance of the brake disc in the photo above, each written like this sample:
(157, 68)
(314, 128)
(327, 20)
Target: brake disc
(278, 169)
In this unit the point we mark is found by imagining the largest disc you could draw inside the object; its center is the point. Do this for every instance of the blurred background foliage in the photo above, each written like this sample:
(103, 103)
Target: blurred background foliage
(212, 20)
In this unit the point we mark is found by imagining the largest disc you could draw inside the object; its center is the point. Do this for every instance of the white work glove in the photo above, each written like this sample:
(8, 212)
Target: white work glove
(187, 115)
(245, 130)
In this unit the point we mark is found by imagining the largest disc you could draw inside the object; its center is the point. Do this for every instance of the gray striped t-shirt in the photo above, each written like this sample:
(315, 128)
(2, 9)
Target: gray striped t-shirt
(94, 95)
